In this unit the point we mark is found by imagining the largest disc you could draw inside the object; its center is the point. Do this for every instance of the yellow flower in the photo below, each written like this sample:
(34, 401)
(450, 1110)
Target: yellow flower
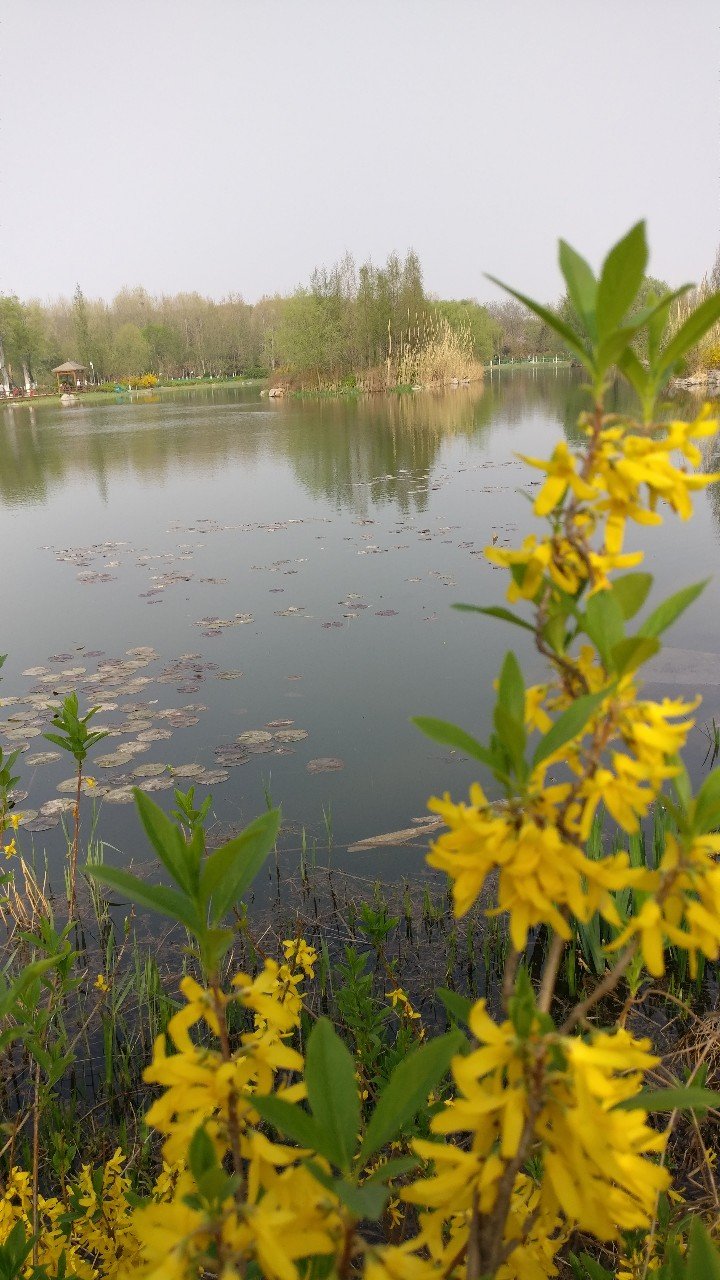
(299, 953)
(561, 475)
(10, 848)
(598, 1176)
(541, 873)
(90, 782)
(101, 983)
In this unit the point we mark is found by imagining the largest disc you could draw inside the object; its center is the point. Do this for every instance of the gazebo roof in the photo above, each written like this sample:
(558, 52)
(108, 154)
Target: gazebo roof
(71, 367)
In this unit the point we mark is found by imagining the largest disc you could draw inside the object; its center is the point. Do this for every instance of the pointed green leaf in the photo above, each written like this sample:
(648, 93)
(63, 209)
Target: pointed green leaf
(568, 726)
(511, 688)
(703, 1258)
(620, 278)
(666, 613)
(604, 623)
(167, 841)
(332, 1092)
(367, 1201)
(631, 591)
(406, 1092)
(581, 285)
(457, 1006)
(683, 1098)
(632, 652)
(636, 373)
(392, 1169)
(706, 810)
(167, 901)
(294, 1123)
(495, 611)
(513, 737)
(450, 735)
(231, 869)
(59, 742)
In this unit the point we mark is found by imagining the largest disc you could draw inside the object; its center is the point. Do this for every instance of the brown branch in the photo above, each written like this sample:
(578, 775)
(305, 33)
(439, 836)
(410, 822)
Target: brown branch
(603, 989)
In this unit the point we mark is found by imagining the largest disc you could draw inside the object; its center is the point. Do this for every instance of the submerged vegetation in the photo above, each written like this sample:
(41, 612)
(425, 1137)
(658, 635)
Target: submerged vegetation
(315, 1110)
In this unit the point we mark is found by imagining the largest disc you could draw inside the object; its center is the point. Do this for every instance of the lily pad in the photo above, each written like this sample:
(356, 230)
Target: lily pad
(120, 795)
(42, 757)
(291, 735)
(53, 808)
(325, 764)
(149, 770)
(279, 724)
(112, 759)
(186, 770)
(254, 737)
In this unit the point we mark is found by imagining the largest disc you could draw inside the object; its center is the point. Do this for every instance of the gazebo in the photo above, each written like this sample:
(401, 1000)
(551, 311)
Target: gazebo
(71, 375)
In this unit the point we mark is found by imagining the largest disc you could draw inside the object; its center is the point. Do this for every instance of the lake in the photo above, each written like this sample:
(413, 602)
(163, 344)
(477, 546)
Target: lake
(212, 566)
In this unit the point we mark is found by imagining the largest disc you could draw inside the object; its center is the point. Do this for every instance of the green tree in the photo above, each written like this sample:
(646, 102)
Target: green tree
(130, 353)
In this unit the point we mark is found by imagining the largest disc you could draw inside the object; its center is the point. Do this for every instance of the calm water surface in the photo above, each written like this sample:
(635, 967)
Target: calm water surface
(334, 536)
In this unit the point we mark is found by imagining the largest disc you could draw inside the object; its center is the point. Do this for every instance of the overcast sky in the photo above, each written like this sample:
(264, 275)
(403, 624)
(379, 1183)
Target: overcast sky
(232, 145)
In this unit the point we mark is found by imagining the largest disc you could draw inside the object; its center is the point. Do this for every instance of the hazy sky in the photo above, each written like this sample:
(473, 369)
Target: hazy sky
(232, 145)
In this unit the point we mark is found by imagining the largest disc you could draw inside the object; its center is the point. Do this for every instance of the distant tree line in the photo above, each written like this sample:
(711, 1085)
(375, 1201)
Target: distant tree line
(347, 320)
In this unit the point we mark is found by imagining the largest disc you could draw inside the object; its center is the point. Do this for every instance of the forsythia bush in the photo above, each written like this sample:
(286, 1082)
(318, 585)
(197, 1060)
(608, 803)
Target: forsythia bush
(274, 1161)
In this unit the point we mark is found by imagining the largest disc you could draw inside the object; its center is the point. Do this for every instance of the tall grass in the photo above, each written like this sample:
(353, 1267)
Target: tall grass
(431, 353)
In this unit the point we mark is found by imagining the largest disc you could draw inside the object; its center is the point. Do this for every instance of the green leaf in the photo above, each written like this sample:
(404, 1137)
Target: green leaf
(666, 613)
(588, 1269)
(706, 812)
(690, 333)
(406, 1092)
(394, 1168)
(604, 623)
(631, 591)
(554, 322)
(231, 869)
(703, 1258)
(568, 726)
(495, 611)
(167, 841)
(582, 286)
(167, 901)
(512, 735)
(636, 373)
(457, 1006)
(682, 1098)
(332, 1092)
(60, 742)
(201, 1154)
(451, 735)
(367, 1201)
(620, 278)
(511, 688)
(632, 652)
(294, 1122)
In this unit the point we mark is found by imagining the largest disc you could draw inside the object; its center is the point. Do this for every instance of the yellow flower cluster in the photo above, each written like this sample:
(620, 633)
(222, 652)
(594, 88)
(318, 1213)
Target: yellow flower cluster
(683, 906)
(92, 1226)
(543, 873)
(278, 1213)
(621, 477)
(626, 750)
(560, 1093)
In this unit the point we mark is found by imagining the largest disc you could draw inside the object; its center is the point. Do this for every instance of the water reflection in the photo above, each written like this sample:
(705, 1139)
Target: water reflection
(351, 452)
